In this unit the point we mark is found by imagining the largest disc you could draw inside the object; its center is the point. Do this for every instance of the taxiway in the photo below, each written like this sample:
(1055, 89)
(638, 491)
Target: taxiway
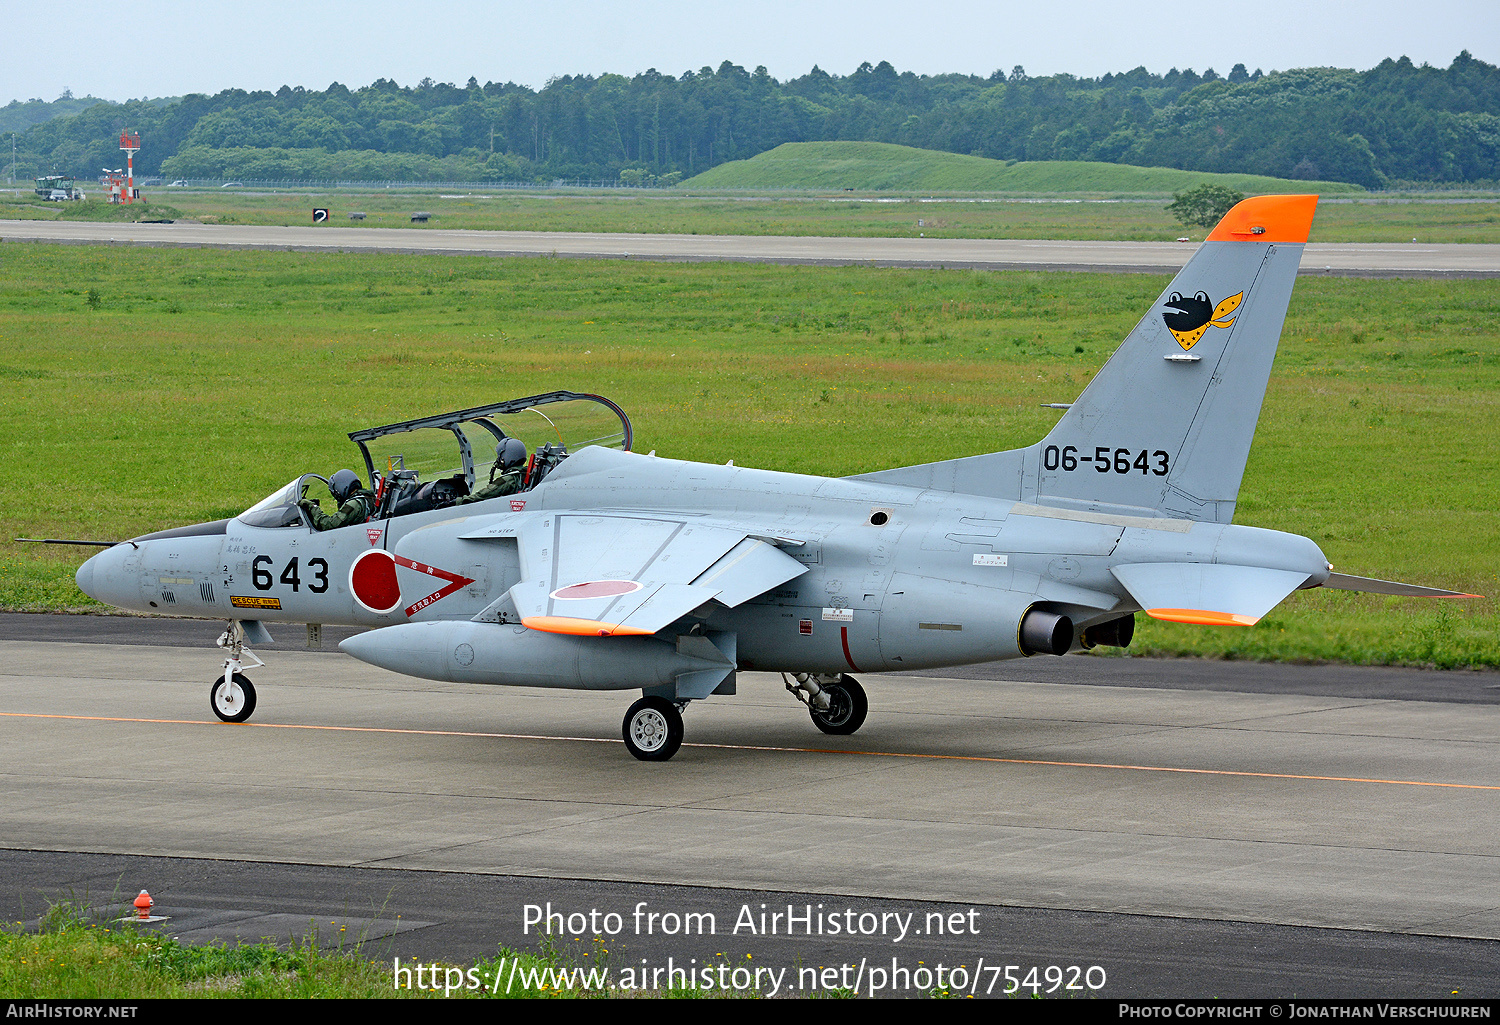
(1253, 810)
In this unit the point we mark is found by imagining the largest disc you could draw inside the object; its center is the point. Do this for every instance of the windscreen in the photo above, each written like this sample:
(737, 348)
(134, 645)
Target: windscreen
(286, 495)
(279, 509)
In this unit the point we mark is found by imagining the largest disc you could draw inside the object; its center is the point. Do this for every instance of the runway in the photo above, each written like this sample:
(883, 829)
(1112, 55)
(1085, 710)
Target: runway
(1233, 814)
(1335, 259)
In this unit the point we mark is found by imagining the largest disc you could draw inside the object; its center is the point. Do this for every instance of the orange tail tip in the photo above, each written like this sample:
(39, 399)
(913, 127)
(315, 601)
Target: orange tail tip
(1267, 219)
(581, 627)
(1202, 617)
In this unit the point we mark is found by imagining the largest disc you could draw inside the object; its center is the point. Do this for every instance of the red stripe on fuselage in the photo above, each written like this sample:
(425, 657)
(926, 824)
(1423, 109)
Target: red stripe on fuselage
(844, 635)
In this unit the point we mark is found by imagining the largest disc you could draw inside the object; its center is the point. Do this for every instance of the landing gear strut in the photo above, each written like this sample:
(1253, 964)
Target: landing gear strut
(653, 729)
(232, 697)
(837, 704)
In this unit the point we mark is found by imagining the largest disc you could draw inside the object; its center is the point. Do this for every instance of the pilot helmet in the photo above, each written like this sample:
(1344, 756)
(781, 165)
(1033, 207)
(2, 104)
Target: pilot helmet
(343, 484)
(510, 454)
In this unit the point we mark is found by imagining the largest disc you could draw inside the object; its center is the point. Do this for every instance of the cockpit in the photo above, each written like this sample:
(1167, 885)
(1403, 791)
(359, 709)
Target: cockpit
(432, 462)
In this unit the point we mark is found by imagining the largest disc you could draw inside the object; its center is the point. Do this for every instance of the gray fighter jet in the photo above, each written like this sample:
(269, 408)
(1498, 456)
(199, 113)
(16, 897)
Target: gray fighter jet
(612, 570)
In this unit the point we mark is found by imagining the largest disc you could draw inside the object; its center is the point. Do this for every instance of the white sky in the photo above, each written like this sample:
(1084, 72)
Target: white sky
(171, 47)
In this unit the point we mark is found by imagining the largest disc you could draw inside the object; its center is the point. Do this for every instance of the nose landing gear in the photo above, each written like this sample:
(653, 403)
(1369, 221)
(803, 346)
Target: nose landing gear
(232, 697)
(232, 700)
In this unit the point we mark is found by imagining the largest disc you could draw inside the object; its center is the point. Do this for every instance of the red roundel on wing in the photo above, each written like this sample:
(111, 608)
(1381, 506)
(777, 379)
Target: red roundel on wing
(597, 589)
(372, 579)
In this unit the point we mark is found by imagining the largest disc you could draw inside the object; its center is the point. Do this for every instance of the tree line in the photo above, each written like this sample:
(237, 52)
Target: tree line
(1393, 124)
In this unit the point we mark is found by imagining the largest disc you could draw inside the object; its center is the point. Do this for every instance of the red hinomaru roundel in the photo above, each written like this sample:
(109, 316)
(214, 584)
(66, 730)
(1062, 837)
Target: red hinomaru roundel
(596, 589)
(372, 581)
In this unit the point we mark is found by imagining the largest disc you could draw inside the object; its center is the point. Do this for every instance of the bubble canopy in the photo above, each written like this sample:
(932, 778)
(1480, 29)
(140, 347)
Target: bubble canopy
(430, 461)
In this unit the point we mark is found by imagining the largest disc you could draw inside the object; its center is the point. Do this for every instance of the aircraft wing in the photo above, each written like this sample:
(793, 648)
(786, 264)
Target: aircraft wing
(593, 574)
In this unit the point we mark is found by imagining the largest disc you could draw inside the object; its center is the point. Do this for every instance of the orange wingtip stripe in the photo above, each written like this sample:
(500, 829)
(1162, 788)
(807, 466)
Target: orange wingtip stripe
(1202, 617)
(1267, 219)
(581, 627)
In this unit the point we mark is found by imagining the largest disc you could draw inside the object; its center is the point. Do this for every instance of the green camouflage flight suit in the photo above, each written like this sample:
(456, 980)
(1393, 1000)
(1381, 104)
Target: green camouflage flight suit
(506, 484)
(357, 508)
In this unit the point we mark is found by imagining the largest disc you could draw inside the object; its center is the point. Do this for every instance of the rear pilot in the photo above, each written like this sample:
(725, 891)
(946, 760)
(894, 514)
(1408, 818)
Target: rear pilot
(510, 464)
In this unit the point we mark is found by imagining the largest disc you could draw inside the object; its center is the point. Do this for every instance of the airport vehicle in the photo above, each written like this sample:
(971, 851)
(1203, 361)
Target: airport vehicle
(57, 188)
(614, 570)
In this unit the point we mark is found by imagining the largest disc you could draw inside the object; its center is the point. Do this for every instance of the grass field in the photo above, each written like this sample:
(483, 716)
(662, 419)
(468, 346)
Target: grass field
(148, 388)
(879, 166)
(78, 952)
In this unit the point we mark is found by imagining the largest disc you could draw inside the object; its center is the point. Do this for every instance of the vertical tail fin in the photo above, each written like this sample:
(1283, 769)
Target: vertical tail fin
(1165, 426)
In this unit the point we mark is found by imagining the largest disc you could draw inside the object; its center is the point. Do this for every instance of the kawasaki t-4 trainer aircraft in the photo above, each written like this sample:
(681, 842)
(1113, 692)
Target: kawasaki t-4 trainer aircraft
(611, 570)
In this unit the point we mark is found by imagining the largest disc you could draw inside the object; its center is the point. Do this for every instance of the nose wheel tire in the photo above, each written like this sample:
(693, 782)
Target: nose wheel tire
(233, 701)
(653, 729)
(847, 708)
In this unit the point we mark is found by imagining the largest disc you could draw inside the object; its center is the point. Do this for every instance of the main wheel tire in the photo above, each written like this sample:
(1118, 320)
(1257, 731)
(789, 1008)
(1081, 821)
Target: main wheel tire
(232, 702)
(653, 729)
(847, 708)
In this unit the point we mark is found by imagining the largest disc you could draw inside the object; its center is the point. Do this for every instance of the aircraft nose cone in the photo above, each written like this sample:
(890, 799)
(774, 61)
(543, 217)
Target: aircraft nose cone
(107, 578)
(85, 577)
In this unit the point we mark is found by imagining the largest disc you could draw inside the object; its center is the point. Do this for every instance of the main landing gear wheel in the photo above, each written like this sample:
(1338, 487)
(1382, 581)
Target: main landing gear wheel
(653, 729)
(233, 701)
(847, 708)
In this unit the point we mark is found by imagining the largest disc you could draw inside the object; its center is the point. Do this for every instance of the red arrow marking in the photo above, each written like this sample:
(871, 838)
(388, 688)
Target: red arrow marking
(456, 583)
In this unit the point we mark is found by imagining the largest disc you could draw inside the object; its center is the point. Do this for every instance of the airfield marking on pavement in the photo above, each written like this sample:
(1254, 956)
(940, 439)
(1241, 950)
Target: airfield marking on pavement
(763, 747)
(308, 726)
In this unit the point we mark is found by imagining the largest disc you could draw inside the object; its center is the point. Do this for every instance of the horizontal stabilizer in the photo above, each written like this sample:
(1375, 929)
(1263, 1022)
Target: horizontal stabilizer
(1369, 585)
(1207, 594)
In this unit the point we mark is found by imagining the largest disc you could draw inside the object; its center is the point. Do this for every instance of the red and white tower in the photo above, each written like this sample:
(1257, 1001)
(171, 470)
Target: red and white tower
(130, 142)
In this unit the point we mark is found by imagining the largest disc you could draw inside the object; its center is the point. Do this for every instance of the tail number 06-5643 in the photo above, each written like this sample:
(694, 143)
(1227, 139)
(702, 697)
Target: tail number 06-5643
(1105, 460)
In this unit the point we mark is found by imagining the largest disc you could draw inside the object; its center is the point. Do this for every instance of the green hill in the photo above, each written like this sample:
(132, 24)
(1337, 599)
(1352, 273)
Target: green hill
(879, 166)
